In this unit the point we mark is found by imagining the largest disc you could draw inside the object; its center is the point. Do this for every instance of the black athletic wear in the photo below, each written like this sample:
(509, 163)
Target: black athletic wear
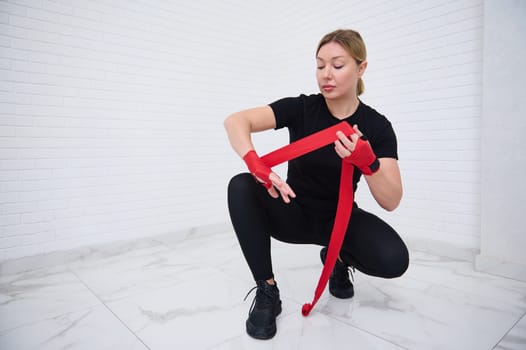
(370, 244)
(315, 177)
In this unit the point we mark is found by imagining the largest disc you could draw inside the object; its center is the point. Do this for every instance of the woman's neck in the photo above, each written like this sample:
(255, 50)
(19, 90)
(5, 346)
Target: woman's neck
(343, 108)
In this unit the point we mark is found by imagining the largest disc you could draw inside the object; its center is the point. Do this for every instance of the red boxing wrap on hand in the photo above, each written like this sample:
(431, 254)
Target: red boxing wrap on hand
(363, 157)
(258, 168)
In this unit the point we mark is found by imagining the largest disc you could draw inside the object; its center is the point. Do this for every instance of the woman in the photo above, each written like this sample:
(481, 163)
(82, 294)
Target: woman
(302, 209)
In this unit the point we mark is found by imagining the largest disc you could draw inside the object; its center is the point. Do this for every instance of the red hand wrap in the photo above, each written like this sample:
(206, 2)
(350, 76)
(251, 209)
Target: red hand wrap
(363, 157)
(258, 168)
(345, 197)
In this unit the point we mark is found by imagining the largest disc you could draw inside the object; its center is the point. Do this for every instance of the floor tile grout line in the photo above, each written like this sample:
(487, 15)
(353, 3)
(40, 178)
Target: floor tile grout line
(110, 310)
(344, 323)
(28, 324)
(64, 269)
(521, 316)
(366, 331)
(477, 272)
(443, 285)
(509, 330)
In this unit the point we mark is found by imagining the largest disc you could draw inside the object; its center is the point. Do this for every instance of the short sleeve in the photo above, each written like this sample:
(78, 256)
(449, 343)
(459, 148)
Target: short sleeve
(287, 111)
(385, 144)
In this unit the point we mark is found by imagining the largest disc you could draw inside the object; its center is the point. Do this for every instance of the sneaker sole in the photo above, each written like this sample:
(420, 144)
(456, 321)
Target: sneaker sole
(263, 333)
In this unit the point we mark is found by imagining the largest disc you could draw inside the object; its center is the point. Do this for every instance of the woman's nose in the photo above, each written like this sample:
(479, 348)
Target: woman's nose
(327, 72)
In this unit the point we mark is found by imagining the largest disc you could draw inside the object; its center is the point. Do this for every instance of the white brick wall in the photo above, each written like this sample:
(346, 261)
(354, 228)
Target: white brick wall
(111, 111)
(426, 76)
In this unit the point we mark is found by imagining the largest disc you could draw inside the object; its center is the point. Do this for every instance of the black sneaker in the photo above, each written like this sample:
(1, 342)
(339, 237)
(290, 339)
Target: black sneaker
(261, 322)
(339, 284)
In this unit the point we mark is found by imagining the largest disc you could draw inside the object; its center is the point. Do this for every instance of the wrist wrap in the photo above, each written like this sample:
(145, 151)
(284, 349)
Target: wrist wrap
(345, 197)
(363, 157)
(258, 168)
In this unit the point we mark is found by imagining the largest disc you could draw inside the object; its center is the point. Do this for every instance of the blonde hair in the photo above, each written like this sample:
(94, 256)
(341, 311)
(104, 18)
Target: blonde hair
(353, 43)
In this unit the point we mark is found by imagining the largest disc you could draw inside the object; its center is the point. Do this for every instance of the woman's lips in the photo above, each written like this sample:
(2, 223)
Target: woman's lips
(328, 88)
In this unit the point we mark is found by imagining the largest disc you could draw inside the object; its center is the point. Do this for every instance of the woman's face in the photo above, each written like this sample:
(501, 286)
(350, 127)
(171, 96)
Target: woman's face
(337, 72)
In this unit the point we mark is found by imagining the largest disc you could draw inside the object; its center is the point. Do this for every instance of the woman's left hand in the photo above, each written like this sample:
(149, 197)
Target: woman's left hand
(344, 146)
(357, 151)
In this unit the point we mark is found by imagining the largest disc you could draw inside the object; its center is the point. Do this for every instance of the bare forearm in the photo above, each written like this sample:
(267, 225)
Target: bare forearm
(238, 131)
(386, 185)
(240, 125)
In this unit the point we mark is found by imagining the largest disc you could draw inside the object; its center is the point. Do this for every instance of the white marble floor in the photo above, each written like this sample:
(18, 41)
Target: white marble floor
(189, 294)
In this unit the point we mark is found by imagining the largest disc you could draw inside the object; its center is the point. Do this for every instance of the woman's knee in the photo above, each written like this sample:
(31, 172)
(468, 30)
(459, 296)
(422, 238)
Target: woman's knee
(396, 263)
(385, 263)
(240, 183)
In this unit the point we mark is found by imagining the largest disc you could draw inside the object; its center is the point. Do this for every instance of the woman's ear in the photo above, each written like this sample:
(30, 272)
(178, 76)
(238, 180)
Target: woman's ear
(362, 68)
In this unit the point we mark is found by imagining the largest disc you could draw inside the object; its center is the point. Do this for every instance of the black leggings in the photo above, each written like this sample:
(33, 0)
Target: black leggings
(370, 245)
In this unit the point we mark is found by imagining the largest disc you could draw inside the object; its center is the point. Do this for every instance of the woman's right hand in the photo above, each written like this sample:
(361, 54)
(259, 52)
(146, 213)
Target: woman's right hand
(278, 185)
(239, 127)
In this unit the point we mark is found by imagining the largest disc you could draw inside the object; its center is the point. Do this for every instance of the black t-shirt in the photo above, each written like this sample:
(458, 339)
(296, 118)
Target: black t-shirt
(315, 177)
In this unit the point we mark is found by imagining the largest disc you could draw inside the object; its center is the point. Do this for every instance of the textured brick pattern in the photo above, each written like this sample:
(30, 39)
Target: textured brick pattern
(111, 111)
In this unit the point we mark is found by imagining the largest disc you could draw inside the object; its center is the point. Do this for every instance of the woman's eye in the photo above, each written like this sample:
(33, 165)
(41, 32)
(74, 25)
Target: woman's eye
(321, 67)
(338, 67)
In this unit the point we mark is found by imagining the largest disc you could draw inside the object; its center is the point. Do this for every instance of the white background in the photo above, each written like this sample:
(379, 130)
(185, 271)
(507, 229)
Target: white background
(111, 112)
